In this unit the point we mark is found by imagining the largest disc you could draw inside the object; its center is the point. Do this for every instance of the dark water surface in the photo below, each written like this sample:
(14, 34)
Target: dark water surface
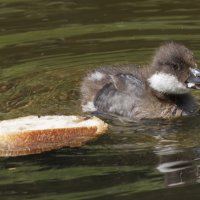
(46, 47)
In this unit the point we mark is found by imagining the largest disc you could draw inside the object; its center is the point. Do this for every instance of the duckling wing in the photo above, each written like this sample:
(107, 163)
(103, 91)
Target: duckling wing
(112, 91)
(127, 82)
(122, 96)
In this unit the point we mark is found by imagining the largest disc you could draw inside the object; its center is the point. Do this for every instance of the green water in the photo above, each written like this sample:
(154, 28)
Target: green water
(46, 47)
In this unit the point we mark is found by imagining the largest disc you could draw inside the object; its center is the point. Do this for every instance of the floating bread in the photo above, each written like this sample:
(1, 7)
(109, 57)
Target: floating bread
(33, 134)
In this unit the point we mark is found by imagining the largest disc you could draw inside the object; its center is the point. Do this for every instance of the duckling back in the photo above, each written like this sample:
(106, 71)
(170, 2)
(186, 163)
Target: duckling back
(114, 90)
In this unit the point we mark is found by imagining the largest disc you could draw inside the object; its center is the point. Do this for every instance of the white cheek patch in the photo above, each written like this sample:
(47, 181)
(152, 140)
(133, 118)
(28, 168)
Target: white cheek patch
(167, 83)
(96, 76)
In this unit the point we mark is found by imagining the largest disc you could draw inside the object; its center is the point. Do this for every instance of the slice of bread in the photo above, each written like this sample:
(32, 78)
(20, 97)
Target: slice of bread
(34, 134)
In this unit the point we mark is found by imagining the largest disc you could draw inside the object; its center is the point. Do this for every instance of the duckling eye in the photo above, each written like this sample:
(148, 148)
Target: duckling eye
(175, 66)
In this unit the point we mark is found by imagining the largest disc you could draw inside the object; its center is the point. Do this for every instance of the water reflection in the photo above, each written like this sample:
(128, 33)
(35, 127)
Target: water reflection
(170, 141)
(114, 173)
(178, 169)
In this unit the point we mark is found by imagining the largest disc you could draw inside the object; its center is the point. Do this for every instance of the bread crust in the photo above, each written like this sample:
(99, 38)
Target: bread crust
(37, 141)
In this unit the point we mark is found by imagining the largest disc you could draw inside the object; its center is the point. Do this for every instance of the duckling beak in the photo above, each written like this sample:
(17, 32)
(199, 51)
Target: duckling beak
(194, 79)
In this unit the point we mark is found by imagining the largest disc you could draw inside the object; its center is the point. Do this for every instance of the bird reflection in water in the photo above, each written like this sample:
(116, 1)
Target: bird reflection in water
(178, 166)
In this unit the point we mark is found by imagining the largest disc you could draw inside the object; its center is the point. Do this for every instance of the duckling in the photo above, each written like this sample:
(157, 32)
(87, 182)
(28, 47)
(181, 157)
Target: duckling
(158, 90)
